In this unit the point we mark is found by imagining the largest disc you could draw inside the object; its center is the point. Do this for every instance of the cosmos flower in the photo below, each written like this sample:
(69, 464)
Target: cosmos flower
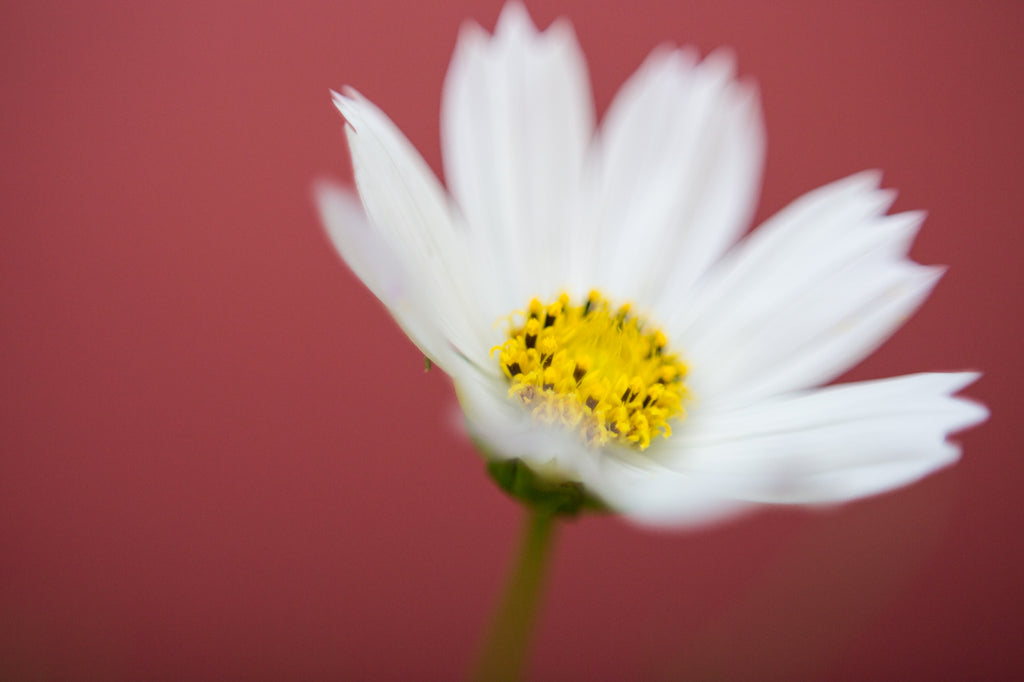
(588, 292)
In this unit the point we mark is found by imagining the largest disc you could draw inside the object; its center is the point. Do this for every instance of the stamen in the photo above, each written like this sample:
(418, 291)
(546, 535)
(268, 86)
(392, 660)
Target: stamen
(593, 369)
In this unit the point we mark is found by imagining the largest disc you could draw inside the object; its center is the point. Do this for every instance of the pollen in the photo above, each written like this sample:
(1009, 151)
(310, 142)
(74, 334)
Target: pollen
(597, 370)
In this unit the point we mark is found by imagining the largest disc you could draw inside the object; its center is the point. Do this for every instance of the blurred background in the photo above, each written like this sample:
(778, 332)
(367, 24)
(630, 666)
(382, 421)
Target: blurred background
(222, 460)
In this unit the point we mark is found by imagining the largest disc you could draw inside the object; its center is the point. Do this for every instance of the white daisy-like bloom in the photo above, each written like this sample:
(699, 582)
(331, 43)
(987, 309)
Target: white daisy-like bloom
(588, 292)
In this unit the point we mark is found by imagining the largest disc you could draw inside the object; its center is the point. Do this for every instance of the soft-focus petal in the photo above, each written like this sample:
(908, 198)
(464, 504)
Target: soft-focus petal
(376, 264)
(651, 494)
(632, 483)
(804, 297)
(517, 116)
(825, 446)
(679, 165)
(408, 208)
(362, 249)
(507, 431)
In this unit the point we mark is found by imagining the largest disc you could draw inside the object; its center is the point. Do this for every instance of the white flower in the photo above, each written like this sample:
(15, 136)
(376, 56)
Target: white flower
(647, 210)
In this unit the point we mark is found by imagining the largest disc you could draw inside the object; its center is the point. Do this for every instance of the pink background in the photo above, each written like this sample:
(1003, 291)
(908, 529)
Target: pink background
(222, 460)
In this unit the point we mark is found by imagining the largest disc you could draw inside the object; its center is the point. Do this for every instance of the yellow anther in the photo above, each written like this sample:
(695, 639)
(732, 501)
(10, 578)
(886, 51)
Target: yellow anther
(593, 369)
(636, 385)
(547, 346)
(536, 308)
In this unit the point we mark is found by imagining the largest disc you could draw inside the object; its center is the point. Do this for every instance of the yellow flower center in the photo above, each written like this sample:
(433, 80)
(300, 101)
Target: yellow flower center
(594, 369)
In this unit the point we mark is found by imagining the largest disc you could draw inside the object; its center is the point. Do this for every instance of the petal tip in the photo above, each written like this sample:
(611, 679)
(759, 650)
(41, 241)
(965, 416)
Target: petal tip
(471, 36)
(720, 64)
(514, 21)
(961, 380)
(931, 274)
(866, 180)
(322, 188)
(346, 102)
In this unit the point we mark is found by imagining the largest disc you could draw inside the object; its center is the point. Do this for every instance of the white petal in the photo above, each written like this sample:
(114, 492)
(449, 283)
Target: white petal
(680, 158)
(825, 446)
(517, 117)
(409, 211)
(362, 249)
(625, 480)
(649, 494)
(508, 431)
(375, 263)
(805, 297)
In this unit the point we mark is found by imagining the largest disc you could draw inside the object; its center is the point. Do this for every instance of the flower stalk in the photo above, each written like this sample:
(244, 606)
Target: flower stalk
(504, 653)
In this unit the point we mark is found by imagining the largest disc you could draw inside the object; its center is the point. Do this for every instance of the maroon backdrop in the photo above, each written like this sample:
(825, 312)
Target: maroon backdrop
(222, 460)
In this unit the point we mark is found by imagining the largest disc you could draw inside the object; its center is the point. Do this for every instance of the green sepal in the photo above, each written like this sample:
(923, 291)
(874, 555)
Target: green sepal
(427, 364)
(566, 498)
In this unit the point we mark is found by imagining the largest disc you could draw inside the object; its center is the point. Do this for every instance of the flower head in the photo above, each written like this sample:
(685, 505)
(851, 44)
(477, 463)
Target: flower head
(585, 290)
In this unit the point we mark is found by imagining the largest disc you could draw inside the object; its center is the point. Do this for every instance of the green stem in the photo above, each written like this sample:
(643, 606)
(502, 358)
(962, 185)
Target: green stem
(504, 653)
